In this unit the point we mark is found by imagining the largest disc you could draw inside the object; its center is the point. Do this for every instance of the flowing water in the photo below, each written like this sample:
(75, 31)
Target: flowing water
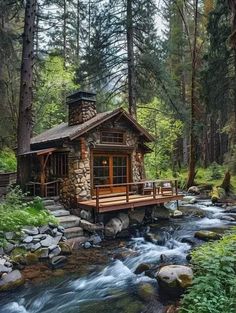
(115, 288)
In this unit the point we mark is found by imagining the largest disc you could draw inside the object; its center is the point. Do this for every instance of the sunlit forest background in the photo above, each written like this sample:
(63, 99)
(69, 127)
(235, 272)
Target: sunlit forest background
(184, 69)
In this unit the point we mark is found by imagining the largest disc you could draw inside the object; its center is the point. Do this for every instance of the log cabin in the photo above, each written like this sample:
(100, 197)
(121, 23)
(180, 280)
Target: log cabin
(95, 160)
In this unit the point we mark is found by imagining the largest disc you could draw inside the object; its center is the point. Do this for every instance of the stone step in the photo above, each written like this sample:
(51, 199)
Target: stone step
(47, 202)
(69, 221)
(54, 207)
(59, 213)
(73, 232)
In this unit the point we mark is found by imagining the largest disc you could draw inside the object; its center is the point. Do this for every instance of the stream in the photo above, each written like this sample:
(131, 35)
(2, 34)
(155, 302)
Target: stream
(114, 288)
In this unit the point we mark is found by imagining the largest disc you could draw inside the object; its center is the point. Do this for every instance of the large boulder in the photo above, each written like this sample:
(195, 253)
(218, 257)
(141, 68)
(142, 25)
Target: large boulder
(160, 212)
(174, 279)
(136, 216)
(189, 199)
(116, 225)
(11, 281)
(207, 235)
(194, 190)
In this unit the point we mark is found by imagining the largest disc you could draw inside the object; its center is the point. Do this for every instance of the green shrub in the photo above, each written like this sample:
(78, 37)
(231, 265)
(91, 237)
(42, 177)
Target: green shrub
(214, 285)
(7, 160)
(15, 212)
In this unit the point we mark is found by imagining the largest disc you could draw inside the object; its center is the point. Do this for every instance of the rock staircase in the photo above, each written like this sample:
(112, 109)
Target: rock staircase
(65, 218)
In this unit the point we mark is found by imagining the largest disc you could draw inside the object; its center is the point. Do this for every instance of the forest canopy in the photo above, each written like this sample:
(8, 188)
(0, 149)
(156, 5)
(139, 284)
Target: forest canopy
(171, 64)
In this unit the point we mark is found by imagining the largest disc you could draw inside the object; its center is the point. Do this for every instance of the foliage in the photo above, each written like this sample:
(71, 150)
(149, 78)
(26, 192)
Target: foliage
(166, 130)
(55, 83)
(15, 212)
(7, 160)
(214, 284)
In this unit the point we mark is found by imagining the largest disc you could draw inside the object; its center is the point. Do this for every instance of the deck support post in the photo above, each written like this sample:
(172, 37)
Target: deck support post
(127, 193)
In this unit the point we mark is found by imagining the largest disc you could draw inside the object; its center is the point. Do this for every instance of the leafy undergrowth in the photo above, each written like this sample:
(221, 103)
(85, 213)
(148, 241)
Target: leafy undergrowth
(15, 212)
(214, 285)
(7, 161)
(213, 175)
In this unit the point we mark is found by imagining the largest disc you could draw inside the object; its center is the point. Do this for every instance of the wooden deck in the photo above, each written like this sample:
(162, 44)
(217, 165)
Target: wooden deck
(158, 193)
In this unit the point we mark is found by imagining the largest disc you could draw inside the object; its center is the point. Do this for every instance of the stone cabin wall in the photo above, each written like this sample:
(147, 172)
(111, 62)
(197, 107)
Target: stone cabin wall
(77, 187)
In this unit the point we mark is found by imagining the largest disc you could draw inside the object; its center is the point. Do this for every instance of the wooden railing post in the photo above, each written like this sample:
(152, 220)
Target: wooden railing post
(154, 189)
(97, 199)
(127, 193)
(176, 187)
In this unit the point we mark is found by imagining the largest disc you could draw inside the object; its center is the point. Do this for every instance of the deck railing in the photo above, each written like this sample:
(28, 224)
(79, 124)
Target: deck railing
(149, 188)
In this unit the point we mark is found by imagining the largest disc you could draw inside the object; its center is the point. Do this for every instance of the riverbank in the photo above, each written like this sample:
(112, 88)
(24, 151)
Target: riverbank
(106, 279)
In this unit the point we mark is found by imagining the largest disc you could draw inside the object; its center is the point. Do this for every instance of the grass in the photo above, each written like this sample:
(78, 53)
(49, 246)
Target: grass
(213, 175)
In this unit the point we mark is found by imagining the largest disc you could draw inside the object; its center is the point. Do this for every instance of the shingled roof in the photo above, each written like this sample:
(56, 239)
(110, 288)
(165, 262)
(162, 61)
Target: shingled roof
(63, 131)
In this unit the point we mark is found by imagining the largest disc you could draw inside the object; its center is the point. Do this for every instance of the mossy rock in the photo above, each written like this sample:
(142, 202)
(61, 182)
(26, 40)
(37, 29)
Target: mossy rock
(65, 248)
(146, 292)
(207, 235)
(143, 267)
(11, 281)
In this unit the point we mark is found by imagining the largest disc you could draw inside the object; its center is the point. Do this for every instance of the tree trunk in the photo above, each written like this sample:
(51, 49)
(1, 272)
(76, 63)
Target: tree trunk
(78, 31)
(26, 92)
(193, 141)
(64, 32)
(131, 69)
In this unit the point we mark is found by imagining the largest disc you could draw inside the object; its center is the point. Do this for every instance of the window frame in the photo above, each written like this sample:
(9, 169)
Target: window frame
(115, 131)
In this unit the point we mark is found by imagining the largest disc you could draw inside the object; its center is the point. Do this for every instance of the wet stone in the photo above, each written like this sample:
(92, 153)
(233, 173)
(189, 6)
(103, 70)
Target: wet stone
(31, 230)
(28, 239)
(58, 261)
(1, 251)
(44, 229)
(9, 235)
(55, 252)
(35, 247)
(9, 247)
(5, 269)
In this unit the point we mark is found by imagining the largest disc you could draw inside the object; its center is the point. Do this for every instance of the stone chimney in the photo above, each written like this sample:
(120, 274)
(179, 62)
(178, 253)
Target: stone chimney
(82, 107)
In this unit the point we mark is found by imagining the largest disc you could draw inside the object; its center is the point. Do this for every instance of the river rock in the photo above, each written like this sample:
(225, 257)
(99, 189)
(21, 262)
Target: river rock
(146, 291)
(4, 269)
(174, 279)
(160, 212)
(28, 239)
(227, 218)
(43, 253)
(189, 199)
(95, 239)
(35, 247)
(30, 230)
(91, 227)
(86, 215)
(177, 214)
(11, 281)
(124, 220)
(136, 216)
(143, 267)
(9, 247)
(87, 245)
(194, 190)
(61, 229)
(65, 248)
(45, 229)
(1, 251)
(113, 227)
(9, 235)
(54, 252)
(58, 261)
(207, 235)
(49, 241)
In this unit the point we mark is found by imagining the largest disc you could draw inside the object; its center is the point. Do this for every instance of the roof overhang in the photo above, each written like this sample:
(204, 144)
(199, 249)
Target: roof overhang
(39, 152)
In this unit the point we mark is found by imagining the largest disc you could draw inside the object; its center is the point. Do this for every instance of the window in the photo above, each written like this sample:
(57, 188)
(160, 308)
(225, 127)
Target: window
(112, 137)
(58, 164)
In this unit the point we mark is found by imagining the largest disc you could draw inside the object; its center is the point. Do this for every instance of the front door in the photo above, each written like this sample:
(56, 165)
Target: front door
(110, 169)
